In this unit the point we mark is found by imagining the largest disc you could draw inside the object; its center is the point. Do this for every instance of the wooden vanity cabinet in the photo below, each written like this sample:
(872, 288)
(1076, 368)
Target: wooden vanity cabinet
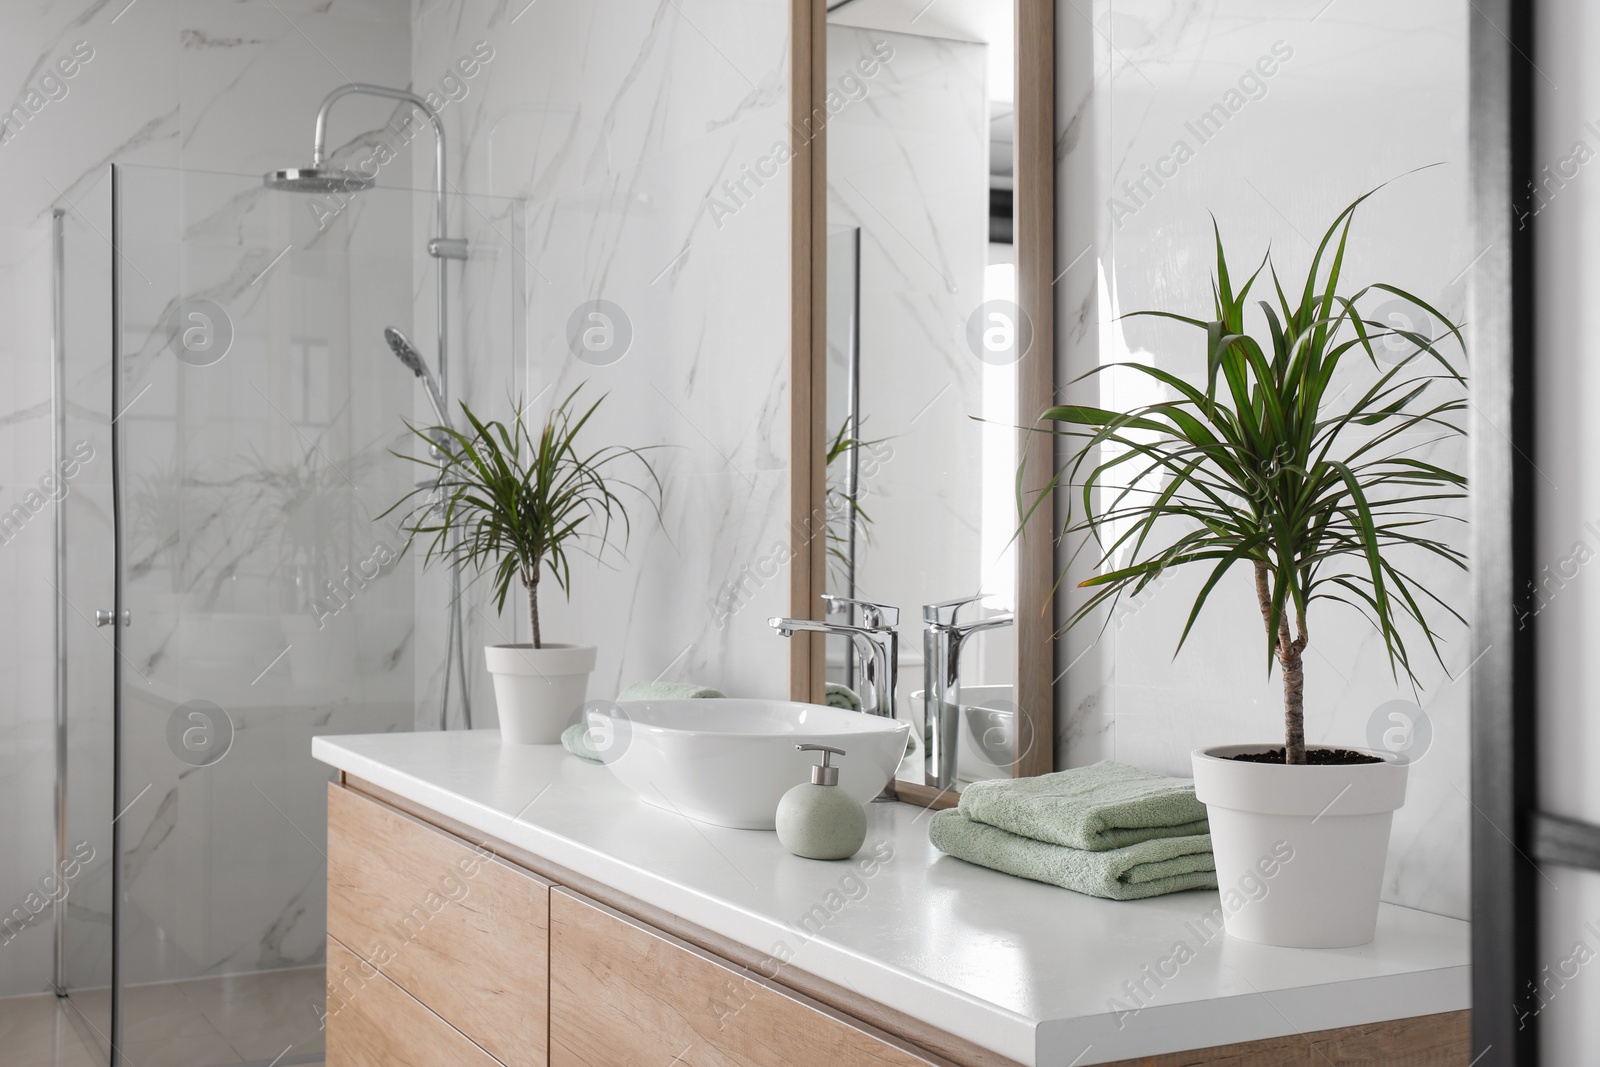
(454, 926)
(622, 992)
(374, 1023)
(442, 953)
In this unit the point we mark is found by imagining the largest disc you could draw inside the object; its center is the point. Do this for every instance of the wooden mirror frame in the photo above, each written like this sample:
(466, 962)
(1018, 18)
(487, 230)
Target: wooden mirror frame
(1034, 207)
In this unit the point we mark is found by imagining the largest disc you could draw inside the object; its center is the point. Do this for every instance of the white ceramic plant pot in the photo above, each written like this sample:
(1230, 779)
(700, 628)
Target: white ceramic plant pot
(1299, 850)
(538, 691)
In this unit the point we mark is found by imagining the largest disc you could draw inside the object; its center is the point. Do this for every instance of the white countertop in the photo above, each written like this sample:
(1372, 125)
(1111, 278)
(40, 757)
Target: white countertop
(1033, 972)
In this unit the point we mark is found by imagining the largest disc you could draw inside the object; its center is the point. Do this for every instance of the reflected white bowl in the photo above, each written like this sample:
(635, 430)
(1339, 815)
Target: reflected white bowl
(988, 731)
(729, 762)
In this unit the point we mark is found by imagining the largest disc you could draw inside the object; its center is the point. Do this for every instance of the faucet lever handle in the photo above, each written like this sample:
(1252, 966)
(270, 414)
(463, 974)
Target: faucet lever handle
(944, 612)
(873, 616)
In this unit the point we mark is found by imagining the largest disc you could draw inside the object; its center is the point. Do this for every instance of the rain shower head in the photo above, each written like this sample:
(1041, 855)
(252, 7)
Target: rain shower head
(406, 354)
(316, 180)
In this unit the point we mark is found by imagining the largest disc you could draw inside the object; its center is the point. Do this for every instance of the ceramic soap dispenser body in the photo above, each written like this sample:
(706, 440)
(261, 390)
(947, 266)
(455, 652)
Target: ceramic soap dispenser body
(817, 819)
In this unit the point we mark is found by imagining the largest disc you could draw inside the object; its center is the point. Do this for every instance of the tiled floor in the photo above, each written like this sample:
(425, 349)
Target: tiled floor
(264, 1018)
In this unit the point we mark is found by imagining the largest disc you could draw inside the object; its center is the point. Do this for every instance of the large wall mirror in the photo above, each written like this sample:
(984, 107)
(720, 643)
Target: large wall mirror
(923, 347)
(1168, 119)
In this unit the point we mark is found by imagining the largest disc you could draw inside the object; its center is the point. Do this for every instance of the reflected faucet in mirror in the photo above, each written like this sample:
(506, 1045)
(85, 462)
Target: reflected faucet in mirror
(875, 644)
(942, 640)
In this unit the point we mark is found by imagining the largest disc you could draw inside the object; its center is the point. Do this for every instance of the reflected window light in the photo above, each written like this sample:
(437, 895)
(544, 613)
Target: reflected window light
(999, 449)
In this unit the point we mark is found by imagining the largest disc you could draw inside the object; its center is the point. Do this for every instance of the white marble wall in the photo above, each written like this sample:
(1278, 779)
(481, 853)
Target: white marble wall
(1360, 92)
(586, 146)
(617, 125)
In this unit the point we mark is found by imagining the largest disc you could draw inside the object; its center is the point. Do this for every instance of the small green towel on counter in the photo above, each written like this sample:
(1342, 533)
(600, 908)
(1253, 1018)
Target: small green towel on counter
(575, 739)
(1143, 869)
(668, 691)
(1108, 805)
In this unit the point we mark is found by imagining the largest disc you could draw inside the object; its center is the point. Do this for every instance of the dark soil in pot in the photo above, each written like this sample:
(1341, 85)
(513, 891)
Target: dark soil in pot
(1315, 757)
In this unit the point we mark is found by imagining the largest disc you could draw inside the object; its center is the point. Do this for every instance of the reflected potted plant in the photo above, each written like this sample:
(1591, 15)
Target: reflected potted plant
(515, 504)
(308, 515)
(842, 506)
(1296, 459)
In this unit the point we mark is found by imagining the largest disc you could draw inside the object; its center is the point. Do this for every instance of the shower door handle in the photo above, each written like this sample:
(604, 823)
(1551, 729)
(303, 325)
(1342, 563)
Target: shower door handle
(105, 617)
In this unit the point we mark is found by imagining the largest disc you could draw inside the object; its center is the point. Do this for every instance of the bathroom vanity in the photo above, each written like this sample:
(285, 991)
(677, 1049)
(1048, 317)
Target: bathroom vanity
(493, 904)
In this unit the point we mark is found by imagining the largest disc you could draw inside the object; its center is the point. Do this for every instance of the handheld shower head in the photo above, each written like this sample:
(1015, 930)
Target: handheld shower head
(406, 354)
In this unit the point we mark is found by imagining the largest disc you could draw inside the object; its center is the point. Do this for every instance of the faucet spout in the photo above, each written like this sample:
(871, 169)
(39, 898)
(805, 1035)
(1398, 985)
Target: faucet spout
(876, 646)
(878, 649)
(942, 641)
(789, 627)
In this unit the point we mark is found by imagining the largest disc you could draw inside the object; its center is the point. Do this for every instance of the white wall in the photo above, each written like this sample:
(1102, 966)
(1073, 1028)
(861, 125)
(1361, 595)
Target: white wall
(1358, 94)
(611, 128)
(1566, 227)
(618, 125)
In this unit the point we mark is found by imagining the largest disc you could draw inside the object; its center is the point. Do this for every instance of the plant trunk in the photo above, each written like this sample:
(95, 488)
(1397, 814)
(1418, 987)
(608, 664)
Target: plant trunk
(533, 610)
(1294, 722)
(1291, 660)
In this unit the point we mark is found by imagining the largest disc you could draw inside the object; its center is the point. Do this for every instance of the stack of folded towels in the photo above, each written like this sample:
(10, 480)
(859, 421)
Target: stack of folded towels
(1110, 830)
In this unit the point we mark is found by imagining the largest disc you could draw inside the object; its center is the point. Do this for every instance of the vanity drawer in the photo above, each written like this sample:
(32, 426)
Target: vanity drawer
(464, 932)
(622, 992)
(374, 1023)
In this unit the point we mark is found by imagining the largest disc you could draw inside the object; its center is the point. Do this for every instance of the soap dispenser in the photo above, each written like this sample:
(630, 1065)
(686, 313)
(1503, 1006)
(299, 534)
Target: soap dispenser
(818, 820)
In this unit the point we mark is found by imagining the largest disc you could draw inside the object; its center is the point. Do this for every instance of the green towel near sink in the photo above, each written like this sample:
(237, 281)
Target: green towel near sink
(575, 738)
(668, 691)
(1109, 805)
(1133, 872)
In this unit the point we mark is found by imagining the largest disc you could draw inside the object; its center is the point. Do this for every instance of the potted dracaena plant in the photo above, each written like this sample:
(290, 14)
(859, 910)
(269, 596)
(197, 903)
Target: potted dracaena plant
(515, 504)
(1298, 459)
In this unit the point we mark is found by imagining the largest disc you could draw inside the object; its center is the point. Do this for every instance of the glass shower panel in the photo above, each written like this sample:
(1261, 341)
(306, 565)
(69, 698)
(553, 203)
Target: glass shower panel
(83, 577)
(269, 601)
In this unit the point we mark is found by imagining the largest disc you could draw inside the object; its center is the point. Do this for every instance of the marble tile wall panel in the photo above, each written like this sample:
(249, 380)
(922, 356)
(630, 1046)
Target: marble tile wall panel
(618, 127)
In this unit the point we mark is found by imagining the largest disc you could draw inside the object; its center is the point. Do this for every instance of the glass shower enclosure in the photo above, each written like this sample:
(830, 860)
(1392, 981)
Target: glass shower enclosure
(230, 576)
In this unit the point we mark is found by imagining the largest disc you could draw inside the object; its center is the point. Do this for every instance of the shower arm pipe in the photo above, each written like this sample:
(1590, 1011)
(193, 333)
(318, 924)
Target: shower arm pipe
(319, 145)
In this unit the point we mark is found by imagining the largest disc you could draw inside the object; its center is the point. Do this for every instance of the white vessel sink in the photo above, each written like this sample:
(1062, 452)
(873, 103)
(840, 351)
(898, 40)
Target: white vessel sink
(728, 762)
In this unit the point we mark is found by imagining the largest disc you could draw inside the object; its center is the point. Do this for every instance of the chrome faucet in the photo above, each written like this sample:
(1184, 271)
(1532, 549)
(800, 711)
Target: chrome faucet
(876, 645)
(942, 640)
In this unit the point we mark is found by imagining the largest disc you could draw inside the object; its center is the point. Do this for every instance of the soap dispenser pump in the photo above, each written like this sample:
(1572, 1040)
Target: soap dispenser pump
(817, 819)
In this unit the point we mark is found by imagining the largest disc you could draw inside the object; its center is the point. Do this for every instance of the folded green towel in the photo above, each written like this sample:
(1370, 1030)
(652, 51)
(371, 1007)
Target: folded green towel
(575, 739)
(1146, 869)
(667, 691)
(841, 696)
(1104, 806)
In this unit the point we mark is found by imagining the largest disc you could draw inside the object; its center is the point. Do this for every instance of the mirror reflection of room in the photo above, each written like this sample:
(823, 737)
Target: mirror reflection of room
(921, 389)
